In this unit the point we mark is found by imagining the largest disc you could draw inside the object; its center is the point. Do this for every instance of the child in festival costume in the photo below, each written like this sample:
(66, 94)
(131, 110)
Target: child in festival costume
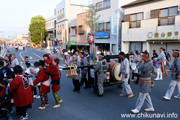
(48, 60)
(35, 71)
(55, 76)
(45, 85)
(22, 92)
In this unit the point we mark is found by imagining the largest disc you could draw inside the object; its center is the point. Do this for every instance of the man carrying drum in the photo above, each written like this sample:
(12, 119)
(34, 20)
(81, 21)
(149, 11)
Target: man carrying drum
(175, 76)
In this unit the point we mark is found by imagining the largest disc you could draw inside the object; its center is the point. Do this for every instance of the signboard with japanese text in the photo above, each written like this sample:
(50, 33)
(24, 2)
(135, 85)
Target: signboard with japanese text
(114, 23)
(101, 35)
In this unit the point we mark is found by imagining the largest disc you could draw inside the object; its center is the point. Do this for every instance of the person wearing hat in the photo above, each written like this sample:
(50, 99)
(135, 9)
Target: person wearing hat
(124, 71)
(175, 76)
(101, 68)
(160, 59)
(146, 68)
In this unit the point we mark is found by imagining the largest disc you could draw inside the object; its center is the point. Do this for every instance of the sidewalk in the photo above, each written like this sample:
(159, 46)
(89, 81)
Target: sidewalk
(3, 52)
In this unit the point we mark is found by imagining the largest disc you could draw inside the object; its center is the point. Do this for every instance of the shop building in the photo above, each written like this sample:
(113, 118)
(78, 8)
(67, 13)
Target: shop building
(66, 30)
(151, 24)
(108, 36)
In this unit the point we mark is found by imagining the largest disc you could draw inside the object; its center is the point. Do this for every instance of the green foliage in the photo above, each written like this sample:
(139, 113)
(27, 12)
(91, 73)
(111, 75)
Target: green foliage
(36, 28)
(92, 18)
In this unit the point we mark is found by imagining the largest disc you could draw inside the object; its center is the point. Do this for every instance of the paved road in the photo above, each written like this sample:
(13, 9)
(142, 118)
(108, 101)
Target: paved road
(86, 106)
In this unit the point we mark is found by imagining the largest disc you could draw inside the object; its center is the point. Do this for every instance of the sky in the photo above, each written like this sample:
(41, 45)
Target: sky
(15, 15)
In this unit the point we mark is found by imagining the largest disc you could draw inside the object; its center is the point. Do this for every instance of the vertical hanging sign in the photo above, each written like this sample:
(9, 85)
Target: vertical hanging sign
(114, 23)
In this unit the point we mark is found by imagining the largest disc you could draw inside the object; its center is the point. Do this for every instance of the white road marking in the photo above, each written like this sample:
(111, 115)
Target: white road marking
(20, 54)
(30, 57)
(37, 55)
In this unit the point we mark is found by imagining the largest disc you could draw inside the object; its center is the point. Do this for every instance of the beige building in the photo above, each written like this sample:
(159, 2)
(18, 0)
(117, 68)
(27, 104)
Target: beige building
(151, 24)
(82, 30)
(66, 30)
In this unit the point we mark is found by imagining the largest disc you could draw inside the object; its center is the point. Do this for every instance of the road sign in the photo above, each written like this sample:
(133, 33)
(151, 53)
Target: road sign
(1, 41)
(91, 39)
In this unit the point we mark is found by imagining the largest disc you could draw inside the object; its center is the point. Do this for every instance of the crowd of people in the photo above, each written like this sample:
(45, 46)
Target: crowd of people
(19, 83)
(144, 69)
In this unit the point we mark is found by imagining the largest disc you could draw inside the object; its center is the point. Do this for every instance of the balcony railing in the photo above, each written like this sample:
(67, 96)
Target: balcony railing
(167, 21)
(60, 16)
(135, 24)
(80, 31)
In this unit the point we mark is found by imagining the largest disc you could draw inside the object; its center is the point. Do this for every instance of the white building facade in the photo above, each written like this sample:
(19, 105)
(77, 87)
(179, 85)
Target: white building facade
(151, 24)
(51, 29)
(66, 30)
(108, 37)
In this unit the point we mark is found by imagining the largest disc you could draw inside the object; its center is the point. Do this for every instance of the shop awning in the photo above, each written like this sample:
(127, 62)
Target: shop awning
(71, 43)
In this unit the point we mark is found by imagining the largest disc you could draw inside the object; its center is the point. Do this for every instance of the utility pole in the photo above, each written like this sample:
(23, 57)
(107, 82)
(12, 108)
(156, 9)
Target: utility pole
(41, 42)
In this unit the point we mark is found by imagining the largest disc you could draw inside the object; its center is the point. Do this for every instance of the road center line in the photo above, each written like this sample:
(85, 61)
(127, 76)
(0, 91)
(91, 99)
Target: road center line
(38, 56)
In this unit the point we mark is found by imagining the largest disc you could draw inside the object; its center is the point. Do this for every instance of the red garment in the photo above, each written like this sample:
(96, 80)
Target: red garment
(22, 92)
(2, 92)
(54, 73)
(50, 61)
(42, 77)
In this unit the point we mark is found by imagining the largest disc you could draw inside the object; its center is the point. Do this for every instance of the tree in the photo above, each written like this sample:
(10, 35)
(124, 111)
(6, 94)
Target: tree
(92, 21)
(37, 29)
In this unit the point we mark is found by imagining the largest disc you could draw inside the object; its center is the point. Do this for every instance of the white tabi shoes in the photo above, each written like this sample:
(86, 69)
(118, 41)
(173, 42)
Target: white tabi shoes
(177, 97)
(135, 111)
(149, 110)
(166, 98)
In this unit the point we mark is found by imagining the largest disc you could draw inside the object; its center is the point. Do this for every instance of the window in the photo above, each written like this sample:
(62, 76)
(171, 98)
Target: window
(101, 27)
(60, 30)
(62, 26)
(167, 16)
(63, 11)
(108, 26)
(60, 12)
(135, 21)
(135, 46)
(80, 30)
(99, 6)
(107, 4)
